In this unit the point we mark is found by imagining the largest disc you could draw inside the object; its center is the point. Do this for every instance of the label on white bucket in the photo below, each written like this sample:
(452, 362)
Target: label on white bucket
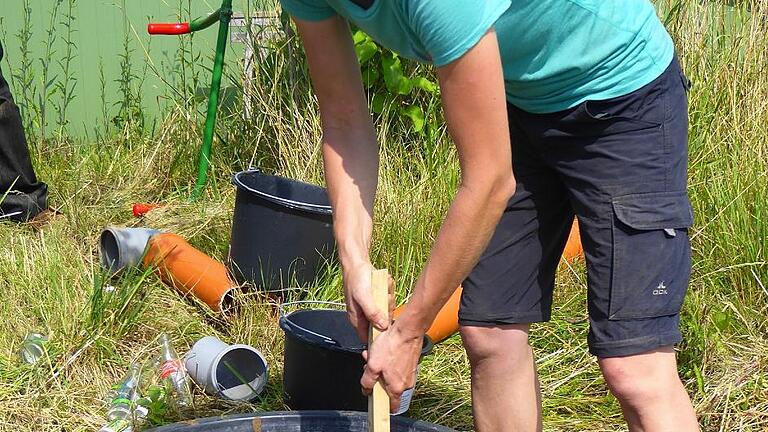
(405, 401)
(405, 398)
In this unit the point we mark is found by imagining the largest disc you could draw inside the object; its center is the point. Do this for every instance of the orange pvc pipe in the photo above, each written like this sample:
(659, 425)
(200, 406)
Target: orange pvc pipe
(447, 320)
(573, 247)
(190, 271)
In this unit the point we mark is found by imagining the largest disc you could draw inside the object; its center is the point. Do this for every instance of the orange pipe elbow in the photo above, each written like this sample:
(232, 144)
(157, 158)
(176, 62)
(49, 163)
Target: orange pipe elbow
(190, 271)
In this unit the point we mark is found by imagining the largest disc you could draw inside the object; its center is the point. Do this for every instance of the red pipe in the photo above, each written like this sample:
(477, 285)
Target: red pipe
(168, 28)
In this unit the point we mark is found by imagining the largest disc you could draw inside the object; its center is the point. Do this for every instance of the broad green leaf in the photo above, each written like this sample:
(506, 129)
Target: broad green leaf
(416, 115)
(393, 72)
(365, 51)
(424, 84)
(404, 86)
(378, 102)
(359, 37)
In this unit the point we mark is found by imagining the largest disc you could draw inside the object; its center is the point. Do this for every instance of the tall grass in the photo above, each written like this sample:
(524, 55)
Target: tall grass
(67, 85)
(726, 52)
(50, 281)
(24, 75)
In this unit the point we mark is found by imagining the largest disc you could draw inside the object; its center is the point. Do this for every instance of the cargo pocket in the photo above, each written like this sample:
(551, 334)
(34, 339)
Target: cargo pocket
(651, 254)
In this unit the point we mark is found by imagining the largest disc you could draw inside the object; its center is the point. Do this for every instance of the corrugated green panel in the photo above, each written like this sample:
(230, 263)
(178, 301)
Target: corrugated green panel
(101, 28)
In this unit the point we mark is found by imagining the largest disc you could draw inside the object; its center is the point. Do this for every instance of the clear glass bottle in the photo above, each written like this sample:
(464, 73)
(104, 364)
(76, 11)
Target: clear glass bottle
(173, 372)
(118, 425)
(123, 396)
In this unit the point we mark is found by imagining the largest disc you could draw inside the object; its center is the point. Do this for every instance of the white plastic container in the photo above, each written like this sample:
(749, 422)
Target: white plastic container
(235, 372)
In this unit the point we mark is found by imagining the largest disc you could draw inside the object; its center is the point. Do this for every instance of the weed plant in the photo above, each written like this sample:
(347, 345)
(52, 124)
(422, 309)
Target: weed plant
(51, 280)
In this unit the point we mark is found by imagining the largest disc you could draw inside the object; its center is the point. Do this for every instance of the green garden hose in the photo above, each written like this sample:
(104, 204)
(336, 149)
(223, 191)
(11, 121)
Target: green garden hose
(223, 15)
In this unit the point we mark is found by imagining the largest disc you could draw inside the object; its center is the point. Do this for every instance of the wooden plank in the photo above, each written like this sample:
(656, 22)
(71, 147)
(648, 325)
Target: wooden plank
(378, 401)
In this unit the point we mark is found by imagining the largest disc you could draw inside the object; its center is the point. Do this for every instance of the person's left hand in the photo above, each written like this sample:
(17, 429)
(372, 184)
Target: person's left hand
(392, 360)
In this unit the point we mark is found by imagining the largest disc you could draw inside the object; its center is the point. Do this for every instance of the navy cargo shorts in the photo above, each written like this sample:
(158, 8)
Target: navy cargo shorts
(619, 165)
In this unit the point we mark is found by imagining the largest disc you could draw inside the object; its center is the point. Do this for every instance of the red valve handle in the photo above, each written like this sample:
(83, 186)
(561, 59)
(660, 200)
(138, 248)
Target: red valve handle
(168, 28)
(140, 209)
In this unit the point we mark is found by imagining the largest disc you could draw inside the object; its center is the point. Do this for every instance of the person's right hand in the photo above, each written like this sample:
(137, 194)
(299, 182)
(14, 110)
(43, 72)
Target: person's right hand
(360, 306)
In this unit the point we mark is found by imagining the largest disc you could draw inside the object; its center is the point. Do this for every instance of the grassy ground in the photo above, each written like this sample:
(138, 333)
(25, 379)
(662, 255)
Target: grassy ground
(50, 280)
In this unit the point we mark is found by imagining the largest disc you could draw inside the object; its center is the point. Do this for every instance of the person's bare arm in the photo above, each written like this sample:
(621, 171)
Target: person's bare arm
(474, 102)
(350, 154)
(475, 108)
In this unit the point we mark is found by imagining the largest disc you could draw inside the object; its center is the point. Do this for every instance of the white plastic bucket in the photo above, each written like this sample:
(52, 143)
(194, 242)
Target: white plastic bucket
(235, 372)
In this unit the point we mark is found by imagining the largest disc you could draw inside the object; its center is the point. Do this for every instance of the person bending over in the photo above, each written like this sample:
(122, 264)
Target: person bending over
(557, 108)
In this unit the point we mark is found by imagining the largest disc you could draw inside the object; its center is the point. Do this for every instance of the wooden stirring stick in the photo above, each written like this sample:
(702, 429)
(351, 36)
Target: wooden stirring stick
(378, 401)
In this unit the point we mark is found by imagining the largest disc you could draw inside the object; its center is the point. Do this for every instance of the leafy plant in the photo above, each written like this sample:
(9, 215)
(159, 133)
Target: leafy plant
(395, 87)
(130, 114)
(66, 86)
(155, 400)
(25, 74)
(48, 86)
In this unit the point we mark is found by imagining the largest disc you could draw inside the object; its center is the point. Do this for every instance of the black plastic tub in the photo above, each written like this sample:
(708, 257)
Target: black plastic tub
(282, 231)
(297, 421)
(323, 362)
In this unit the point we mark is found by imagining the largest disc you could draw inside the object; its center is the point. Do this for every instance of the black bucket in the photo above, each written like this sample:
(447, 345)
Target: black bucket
(282, 231)
(297, 421)
(323, 362)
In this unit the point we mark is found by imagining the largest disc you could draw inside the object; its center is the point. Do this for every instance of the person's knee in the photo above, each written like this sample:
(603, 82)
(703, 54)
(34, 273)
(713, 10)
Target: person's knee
(625, 383)
(640, 379)
(509, 342)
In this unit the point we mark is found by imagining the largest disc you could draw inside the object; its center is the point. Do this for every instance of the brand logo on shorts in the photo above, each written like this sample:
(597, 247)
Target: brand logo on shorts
(661, 289)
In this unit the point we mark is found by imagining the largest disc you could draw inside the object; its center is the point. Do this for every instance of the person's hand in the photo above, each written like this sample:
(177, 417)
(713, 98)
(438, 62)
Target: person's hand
(392, 360)
(361, 309)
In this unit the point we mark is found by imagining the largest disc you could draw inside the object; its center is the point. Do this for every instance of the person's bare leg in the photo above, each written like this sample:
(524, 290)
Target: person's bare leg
(650, 392)
(505, 388)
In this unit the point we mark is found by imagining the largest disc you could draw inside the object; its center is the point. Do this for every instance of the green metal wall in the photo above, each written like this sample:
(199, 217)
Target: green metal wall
(101, 28)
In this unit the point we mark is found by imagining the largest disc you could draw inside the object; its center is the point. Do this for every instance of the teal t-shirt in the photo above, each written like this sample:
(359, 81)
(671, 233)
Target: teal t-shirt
(555, 53)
